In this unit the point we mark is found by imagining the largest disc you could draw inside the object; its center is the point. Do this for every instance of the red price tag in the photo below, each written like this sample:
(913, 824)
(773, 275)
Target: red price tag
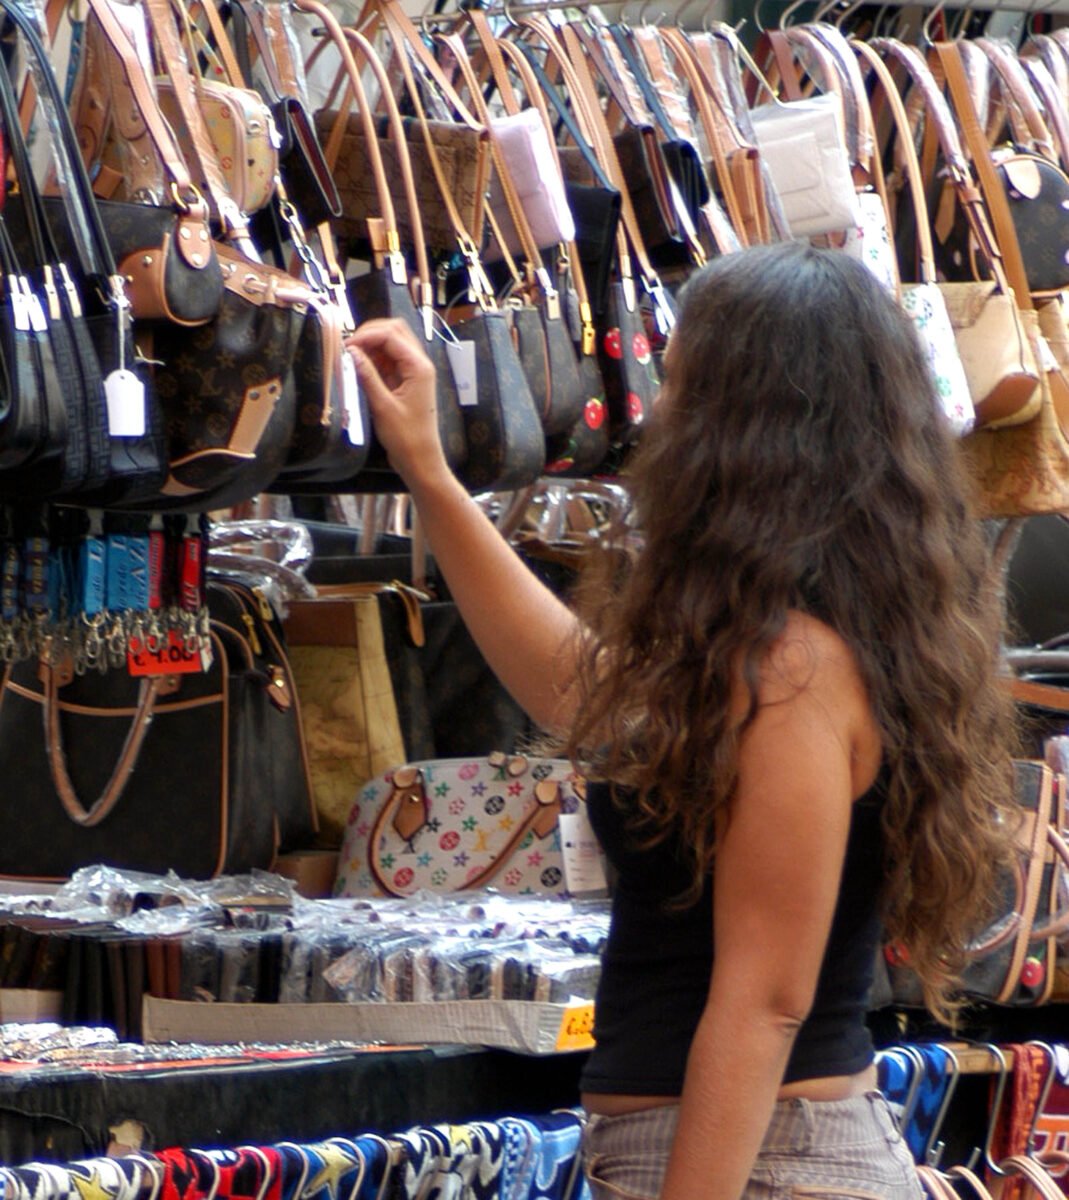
(170, 657)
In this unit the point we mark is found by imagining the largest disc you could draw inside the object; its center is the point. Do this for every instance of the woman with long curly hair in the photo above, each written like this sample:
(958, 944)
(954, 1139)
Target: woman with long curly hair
(786, 699)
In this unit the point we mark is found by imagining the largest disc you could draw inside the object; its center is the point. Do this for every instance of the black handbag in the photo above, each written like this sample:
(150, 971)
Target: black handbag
(201, 774)
(506, 445)
(627, 366)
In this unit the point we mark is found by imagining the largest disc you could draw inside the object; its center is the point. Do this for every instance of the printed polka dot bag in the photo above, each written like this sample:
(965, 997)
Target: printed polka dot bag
(451, 825)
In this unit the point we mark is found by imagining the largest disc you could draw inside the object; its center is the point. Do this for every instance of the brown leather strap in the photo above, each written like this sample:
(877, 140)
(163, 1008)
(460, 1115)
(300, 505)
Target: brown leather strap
(144, 97)
(57, 755)
(941, 124)
(1042, 1185)
(534, 93)
(354, 90)
(994, 193)
(222, 44)
(495, 59)
(677, 41)
(909, 158)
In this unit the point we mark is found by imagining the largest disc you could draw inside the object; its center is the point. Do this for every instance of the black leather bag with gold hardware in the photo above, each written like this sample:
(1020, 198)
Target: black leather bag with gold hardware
(103, 759)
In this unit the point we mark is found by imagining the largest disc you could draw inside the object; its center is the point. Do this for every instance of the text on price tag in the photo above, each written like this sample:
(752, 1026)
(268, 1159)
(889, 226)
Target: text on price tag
(171, 656)
(577, 1027)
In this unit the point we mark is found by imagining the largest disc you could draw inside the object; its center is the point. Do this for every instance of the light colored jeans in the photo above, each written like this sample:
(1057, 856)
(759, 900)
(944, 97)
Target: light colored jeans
(813, 1150)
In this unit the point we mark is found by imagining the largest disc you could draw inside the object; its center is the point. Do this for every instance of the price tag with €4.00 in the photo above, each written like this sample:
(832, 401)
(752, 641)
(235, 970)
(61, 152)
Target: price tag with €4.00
(576, 1027)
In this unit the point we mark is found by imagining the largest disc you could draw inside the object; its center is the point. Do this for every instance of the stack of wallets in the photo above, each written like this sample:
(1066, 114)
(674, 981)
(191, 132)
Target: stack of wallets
(255, 941)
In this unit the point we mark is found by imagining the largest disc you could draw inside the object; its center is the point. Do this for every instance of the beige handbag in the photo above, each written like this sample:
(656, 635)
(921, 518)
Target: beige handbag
(990, 323)
(1023, 469)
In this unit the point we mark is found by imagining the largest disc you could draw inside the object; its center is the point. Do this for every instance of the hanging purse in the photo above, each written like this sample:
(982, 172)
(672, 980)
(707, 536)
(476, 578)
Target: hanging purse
(162, 244)
(383, 291)
(593, 200)
(473, 845)
(990, 327)
(1023, 468)
(924, 301)
(113, 451)
(98, 756)
(535, 308)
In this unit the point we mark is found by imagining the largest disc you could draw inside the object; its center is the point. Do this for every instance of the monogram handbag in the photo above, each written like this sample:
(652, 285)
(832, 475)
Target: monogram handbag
(103, 760)
(1012, 961)
(164, 251)
(301, 163)
(447, 825)
(383, 289)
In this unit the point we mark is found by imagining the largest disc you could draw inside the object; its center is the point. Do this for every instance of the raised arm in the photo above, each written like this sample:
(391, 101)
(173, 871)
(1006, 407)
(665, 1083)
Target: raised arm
(810, 751)
(525, 632)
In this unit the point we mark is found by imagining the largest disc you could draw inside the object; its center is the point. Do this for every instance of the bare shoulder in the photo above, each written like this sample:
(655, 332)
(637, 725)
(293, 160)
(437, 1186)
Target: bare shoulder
(810, 677)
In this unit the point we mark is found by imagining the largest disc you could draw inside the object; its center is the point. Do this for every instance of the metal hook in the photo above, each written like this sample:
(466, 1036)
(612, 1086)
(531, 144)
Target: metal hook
(933, 1148)
(926, 26)
(785, 16)
(1044, 1095)
(848, 11)
(996, 1106)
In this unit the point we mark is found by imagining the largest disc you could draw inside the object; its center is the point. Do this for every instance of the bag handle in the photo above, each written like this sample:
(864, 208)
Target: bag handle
(703, 100)
(162, 21)
(1054, 107)
(949, 55)
(57, 757)
(1025, 1167)
(900, 118)
(1021, 99)
(523, 68)
(406, 809)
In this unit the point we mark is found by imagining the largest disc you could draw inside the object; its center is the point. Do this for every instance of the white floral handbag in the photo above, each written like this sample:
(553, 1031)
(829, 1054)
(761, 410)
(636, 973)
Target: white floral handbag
(514, 823)
(925, 303)
(870, 242)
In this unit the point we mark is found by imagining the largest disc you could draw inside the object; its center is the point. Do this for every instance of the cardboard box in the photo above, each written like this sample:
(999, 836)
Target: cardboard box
(21, 1005)
(536, 1028)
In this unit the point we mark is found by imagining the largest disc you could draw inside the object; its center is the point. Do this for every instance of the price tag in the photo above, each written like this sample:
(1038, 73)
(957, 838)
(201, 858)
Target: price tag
(461, 357)
(170, 657)
(124, 394)
(576, 1027)
(350, 398)
(584, 868)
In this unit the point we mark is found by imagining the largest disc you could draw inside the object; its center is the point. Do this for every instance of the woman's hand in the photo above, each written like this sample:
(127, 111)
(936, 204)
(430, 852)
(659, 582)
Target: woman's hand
(400, 383)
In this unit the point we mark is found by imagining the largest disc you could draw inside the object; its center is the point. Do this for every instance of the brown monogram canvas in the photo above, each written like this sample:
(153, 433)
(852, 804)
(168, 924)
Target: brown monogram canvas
(460, 153)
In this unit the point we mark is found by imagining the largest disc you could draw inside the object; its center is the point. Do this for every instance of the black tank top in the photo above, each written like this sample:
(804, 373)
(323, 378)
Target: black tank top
(658, 961)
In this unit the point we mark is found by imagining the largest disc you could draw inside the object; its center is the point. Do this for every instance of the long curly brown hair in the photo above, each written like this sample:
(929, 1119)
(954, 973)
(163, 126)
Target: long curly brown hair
(797, 459)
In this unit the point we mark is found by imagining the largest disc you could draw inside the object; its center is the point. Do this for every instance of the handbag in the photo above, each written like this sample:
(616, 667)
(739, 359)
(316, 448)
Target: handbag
(449, 825)
(631, 377)
(593, 200)
(803, 144)
(103, 759)
(164, 251)
(383, 290)
(990, 329)
(1012, 962)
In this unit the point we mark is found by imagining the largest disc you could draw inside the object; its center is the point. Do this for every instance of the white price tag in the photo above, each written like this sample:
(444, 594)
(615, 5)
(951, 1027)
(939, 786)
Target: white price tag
(125, 397)
(462, 364)
(350, 398)
(584, 869)
(1047, 361)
